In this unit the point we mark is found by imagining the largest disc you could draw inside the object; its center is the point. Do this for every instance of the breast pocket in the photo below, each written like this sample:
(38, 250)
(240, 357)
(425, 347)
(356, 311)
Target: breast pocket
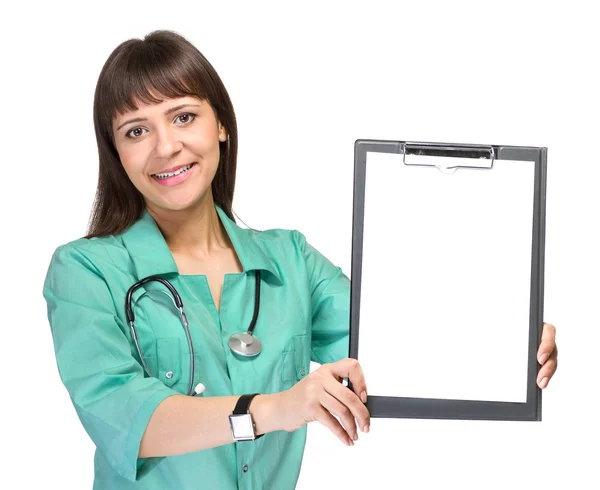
(169, 361)
(295, 360)
(166, 348)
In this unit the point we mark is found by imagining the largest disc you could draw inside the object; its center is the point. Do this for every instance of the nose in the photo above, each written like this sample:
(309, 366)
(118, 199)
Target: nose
(167, 142)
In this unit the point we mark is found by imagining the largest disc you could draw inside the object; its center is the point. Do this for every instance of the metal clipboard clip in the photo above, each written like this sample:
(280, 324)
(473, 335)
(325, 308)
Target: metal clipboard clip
(479, 152)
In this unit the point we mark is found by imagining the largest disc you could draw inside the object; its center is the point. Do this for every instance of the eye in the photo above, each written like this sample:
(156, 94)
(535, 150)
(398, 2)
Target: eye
(132, 130)
(189, 117)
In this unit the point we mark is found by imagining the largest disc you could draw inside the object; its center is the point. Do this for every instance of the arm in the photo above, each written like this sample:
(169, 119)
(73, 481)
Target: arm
(183, 424)
(117, 405)
(330, 298)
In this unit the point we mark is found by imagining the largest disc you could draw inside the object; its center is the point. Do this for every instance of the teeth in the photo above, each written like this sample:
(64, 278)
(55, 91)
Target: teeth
(166, 175)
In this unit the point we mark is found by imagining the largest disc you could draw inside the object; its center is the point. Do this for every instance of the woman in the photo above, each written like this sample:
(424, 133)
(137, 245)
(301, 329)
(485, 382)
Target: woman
(167, 141)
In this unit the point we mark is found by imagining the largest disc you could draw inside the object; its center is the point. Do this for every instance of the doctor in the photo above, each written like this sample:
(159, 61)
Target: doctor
(167, 139)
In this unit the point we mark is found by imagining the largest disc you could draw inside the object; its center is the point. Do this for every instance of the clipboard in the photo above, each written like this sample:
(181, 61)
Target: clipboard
(448, 246)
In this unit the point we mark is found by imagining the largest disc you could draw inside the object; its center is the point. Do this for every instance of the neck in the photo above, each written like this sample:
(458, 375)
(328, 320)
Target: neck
(196, 231)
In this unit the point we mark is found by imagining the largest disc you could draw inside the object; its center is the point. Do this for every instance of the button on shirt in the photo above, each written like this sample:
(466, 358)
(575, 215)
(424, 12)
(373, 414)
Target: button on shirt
(304, 315)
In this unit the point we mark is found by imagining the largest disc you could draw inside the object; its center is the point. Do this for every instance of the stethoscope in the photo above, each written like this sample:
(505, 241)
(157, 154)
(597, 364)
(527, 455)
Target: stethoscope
(242, 343)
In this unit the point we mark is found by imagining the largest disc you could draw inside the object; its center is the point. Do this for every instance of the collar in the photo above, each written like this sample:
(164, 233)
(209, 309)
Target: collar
(151, 255)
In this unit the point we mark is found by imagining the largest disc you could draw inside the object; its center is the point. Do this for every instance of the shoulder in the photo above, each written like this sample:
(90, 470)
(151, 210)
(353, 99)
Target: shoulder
(94, 253)
(283, 239)
(281, 251)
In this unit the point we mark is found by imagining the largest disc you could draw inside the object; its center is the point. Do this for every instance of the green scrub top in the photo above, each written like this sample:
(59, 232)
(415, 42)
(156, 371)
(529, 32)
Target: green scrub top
(304, 315)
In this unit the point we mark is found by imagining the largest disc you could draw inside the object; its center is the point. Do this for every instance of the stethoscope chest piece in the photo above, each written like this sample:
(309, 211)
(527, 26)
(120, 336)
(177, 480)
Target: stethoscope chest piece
(244, 344)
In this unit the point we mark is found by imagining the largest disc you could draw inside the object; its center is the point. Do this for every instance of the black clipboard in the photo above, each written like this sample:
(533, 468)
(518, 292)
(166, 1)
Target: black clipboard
(478, 159)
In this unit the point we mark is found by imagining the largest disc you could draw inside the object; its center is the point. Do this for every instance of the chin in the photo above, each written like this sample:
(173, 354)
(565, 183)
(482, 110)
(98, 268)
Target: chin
(180, 205)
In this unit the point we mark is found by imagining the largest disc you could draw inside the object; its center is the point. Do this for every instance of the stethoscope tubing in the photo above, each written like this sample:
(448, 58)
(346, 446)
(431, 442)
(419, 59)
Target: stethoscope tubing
(256, 304)
(179, 305)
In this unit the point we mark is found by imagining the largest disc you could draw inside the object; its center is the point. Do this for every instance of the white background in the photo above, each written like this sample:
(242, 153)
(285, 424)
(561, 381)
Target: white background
(306, 81)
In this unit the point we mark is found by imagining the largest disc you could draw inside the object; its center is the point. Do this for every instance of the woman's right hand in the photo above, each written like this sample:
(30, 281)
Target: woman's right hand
(321, 395)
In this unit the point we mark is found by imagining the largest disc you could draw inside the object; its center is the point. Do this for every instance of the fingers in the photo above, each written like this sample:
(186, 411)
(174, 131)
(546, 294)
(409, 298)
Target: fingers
(329, 421)
(341, 412)
(350, 400)
(547, 344)
(548, 369)
(351, 369)
(336, 400)
(547, 355)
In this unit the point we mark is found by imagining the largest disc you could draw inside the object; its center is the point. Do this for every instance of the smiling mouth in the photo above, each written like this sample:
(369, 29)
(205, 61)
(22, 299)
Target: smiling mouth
(167, 175)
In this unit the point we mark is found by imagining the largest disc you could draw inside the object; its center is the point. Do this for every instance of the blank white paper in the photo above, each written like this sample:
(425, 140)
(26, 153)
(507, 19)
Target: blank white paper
(445, 286)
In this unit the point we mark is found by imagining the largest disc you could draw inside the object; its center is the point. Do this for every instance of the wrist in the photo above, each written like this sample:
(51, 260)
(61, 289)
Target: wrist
(264, 413)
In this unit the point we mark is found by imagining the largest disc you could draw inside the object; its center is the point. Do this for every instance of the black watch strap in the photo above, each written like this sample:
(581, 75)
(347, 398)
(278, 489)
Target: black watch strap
(243, 406)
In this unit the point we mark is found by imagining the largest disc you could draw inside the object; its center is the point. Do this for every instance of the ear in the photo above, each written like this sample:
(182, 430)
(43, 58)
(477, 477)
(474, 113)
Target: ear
(222, 133)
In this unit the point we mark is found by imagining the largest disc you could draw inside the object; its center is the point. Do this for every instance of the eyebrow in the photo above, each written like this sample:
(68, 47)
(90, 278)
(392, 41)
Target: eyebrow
(169, 111)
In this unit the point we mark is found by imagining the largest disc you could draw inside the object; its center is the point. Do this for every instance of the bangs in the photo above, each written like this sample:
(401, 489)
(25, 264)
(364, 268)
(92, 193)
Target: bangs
(150, 73)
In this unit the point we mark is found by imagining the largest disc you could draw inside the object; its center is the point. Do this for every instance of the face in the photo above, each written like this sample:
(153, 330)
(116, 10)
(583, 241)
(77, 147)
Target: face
(170, 150)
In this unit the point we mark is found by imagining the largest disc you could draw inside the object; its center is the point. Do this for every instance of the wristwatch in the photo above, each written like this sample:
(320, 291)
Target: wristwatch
(240, 420)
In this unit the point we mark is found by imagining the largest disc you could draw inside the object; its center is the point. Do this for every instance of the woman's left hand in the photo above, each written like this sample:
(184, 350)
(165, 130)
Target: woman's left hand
(547, 355)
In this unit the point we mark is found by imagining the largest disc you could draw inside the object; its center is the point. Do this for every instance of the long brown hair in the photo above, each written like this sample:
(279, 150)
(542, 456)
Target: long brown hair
(166, 64)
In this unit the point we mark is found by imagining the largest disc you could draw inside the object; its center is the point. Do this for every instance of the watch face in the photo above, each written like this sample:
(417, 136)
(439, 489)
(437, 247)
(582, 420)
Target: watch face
(241, 426)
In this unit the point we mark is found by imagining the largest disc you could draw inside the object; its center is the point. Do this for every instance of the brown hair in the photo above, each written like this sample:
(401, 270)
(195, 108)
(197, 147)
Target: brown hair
(166, 64)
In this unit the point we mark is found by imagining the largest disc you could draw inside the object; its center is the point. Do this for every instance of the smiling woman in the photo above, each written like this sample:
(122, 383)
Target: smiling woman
(167, 142)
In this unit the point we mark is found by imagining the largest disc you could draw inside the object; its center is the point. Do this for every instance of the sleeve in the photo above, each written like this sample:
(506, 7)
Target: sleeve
(330, 300)
(113, 399)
